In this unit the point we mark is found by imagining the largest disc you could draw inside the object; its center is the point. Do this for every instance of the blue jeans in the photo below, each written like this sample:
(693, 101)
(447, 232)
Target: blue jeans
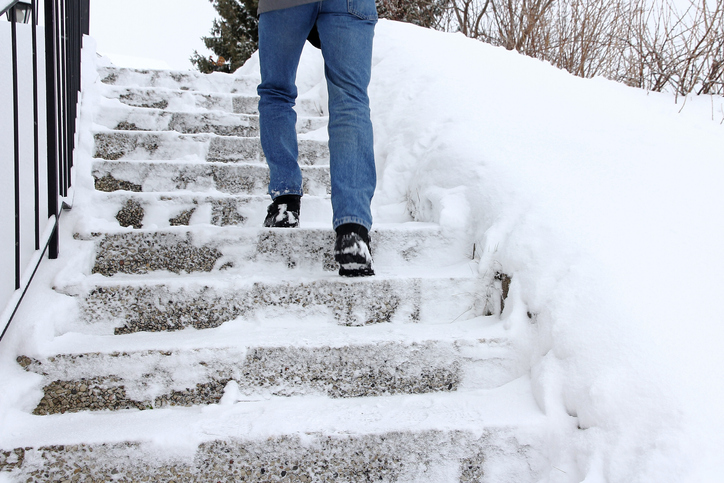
(346, 29)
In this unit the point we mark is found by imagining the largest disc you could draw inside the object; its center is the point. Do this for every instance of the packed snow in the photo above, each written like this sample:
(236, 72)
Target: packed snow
(600, 201)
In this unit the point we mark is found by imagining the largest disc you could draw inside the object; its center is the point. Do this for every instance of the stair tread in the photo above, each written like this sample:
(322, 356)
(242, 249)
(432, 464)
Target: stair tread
(171, 136)
(128, 304)
(195, 101)
(124, 211)
(354, 367)
(123, 109)
(185, 195)
(283, 331)
(464, 270)
(183, 162)
(511, 405)
(168, 145)
(186, 80)
(417, 227)
(200, 177)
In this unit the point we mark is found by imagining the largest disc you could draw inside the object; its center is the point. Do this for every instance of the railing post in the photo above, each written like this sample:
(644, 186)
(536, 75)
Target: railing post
(65, 90)
(61, 88)
(16, 141)
(72, 88)
(85, 17)
(52, 118)
(36, 139)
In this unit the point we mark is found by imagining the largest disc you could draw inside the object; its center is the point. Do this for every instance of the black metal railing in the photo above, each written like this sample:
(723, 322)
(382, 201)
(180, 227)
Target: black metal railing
(66, 21)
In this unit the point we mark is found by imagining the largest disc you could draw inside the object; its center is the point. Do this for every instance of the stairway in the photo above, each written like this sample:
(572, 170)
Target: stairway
(206, 348)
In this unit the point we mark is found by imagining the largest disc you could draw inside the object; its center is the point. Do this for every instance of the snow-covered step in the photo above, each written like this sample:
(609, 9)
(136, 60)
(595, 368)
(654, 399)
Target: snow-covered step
(230, 178)
(193, 101)
(162, 210)
(175, 303)
(221, 123)
(123, 118)
(154, 379)
(248, 250)
(486, 436)
(115, 145)
(184, 80)
(293, 357)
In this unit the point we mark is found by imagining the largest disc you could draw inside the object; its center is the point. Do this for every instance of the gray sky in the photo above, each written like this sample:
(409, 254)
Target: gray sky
(164, 31)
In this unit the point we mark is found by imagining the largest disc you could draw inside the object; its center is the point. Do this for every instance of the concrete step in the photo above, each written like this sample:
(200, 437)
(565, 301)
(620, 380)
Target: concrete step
(248, 250)
(183, 80)
(121, 209)
(154, 379)
(132, 145)
(143, 304)
(484, 436)
(122, 118)
(434, 456)
(230, 178)
(193, 101)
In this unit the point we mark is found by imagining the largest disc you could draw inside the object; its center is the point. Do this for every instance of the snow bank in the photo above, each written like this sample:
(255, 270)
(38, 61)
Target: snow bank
(603, 204)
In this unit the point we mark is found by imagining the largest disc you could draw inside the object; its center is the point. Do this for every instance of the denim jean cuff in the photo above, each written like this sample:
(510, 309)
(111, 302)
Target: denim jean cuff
(276, 194)
(351, 219)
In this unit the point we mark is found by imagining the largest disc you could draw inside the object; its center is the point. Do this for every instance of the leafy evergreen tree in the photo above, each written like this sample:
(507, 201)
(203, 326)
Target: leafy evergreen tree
(234, 36)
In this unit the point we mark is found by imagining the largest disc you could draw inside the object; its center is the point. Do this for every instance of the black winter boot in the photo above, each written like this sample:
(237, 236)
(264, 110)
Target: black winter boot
(283, 212)
(352, 251)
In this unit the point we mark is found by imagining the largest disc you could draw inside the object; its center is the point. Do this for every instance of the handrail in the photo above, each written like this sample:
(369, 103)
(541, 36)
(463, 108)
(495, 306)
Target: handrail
(66, 21)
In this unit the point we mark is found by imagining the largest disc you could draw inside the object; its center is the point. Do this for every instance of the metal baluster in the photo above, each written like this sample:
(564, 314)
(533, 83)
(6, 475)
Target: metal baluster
(51, 39)
(36, 140)
(16, 140)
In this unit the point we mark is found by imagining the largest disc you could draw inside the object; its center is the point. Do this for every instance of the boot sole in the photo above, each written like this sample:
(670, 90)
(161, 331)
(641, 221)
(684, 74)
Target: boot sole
(356, 272)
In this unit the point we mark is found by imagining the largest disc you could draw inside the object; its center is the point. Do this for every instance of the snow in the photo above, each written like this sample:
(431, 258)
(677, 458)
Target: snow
(601, 202)
(268, 416)
(25, 122)
(603, 205)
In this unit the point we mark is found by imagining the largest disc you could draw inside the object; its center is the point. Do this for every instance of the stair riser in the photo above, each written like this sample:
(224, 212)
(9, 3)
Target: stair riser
(221, 124)
(423, 456)
(167, 146)
(348, 302)
(182, 80)
(111, 381)
(164, 211)
(141, 253)
(225, 178)
(178, 100)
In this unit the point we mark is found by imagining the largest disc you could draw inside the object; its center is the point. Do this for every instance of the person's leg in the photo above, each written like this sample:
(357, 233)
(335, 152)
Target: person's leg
(282, 34)
(346, 31)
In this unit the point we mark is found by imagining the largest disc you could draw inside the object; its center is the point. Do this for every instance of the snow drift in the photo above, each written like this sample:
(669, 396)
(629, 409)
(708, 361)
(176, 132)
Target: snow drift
(603, 204)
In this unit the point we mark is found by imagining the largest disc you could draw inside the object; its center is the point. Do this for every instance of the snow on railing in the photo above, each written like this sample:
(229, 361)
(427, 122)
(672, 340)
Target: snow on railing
(5, 6)
(43, 185)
